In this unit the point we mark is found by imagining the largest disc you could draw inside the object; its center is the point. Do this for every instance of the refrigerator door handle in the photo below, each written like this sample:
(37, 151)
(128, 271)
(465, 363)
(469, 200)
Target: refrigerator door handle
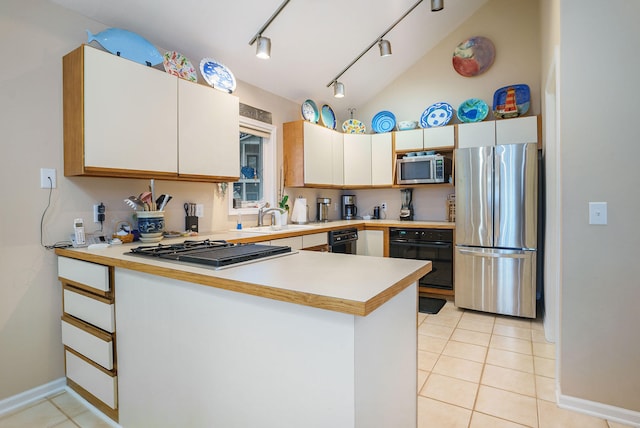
(517, 254)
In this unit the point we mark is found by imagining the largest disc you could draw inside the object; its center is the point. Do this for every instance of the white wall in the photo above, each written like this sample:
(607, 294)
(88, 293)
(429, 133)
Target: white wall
(599, 346)
(34, 35)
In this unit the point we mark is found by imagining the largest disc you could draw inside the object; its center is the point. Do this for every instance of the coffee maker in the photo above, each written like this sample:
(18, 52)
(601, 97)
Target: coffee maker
(406, 210)
(349, 209)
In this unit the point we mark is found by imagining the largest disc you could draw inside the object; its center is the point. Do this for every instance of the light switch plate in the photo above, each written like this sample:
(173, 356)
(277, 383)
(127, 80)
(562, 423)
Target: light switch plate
(199, 210)
(597, 213)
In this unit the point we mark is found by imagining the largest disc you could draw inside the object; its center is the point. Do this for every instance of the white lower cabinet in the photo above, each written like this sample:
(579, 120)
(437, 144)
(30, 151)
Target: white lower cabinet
(88, 332)
(295, 242)
(370, 243)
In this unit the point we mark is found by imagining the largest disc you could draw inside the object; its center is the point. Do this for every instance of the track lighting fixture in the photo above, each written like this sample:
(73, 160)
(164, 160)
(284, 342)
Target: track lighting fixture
(263, 44)
(385, 47)
(437, 5)
(263, 47)
(338, 89)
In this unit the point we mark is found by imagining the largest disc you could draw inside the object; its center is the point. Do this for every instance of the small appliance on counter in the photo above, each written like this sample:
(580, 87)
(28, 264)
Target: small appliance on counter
(406, 210)
(349, 209)
(322, 209)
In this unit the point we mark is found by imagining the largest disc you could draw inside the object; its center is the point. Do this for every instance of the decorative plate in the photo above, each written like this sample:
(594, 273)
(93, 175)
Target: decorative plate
(128, 45)
(328, 117)
(474, 56)
(217, 75)
(353, 126)
(438, 114)
(310, 111)
(179, 65)
(511, 101)
(383, 121)
(472, 110)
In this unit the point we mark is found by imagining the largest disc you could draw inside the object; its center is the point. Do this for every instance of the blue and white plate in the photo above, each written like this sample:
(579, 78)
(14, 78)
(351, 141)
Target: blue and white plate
(383, 121)
(472, 110)
(438, 114)
(217, 75)
(328, 117)
(310, 111)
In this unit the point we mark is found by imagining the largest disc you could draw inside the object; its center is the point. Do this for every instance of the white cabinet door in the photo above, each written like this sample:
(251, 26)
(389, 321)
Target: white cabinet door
(409, 140)
(381, 159)
(440, 136)
(337, 163)
(357, 159)
(370, 243)
(478, 134)
(517, 130)
(295, 242)
(130, 114)
(318, 154)
(208, 136)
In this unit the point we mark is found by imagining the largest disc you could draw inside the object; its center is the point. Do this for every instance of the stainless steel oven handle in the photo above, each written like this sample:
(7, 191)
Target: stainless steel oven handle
(436, 244)
(514, 255)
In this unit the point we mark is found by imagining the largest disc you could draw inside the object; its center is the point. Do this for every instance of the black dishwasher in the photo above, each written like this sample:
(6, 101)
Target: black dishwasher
(435, 245)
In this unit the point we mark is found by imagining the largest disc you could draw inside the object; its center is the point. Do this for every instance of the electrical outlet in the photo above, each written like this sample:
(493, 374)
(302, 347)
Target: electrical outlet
(199, 210)
(95, 213)
(98, 212)
(383, 205)
(45, 175)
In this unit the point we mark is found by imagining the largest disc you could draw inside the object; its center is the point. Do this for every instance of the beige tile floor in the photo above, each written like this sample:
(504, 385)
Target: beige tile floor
(475, 370)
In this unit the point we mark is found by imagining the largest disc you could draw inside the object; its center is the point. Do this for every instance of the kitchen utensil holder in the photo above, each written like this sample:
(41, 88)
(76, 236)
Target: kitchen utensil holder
(191, 223)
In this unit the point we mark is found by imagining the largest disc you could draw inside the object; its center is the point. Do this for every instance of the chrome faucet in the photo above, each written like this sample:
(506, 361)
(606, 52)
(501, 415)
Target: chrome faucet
(262, 212)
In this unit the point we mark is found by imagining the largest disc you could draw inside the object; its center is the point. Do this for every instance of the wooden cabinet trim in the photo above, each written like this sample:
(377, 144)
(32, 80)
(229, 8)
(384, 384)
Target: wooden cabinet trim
(87, 291)
(86, 327)
(112, 413)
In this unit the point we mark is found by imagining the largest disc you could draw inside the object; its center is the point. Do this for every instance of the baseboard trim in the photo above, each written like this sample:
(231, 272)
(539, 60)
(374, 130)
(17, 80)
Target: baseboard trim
(600, 410)
(26, 397)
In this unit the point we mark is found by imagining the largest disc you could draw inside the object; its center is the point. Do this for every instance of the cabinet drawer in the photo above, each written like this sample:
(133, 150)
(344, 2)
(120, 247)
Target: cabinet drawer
(314, 240)
(295, 242)
(85, 274)
(88, 341)
(100, 384)
(95, 311)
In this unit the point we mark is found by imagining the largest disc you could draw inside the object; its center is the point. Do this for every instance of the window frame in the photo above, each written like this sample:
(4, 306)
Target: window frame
(269, 164)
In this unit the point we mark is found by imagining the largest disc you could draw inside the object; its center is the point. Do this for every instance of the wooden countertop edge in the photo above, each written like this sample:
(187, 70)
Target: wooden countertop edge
(346, 306)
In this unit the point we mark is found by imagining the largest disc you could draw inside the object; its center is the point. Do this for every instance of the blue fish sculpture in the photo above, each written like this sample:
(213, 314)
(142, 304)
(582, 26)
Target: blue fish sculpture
(127, 45)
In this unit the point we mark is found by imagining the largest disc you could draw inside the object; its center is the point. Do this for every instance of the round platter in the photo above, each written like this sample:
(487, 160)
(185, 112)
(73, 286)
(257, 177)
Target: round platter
(474, 56)
(353, 126)
(328, 117)
(438, 114)
(383, 121)
(472, 110)
(179, 65)
(217, 75)
(310, 111)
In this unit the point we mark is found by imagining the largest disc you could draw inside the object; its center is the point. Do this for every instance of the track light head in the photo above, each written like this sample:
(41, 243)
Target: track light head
(263, 47)
(437, 5)
(338, 89)
(385, 47)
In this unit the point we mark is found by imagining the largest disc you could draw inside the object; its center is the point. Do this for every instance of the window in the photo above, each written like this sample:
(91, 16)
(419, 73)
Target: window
(257, 167)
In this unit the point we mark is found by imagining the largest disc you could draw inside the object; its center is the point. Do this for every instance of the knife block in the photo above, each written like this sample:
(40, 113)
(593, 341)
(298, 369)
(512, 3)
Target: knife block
(191, 223)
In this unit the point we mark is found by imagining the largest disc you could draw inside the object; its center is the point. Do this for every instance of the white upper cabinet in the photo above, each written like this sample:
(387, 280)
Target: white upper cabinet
(130, 115)
(438, 137)
(517, 130)
(381, 159)
(357, 159)
(207, 142)
(477, 134)
(409, 140)
(337, 163)
(318, 154)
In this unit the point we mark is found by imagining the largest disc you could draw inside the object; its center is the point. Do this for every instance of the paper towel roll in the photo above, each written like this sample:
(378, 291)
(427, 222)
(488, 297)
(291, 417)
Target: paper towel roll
(299, 214)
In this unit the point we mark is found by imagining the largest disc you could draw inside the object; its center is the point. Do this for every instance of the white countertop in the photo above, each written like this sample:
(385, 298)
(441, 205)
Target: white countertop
(345, 283)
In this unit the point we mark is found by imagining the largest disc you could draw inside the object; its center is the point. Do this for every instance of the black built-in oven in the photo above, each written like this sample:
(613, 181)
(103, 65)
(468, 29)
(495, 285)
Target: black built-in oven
(435, 245)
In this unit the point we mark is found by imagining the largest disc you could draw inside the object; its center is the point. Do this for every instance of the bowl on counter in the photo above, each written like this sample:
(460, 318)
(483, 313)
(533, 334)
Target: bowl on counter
(406, 125)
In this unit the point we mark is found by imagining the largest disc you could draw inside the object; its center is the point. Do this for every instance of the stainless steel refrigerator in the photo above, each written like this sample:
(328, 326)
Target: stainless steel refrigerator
(496, 221)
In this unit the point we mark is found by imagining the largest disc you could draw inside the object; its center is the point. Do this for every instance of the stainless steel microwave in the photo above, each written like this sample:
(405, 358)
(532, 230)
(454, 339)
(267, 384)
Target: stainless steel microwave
(422, 169)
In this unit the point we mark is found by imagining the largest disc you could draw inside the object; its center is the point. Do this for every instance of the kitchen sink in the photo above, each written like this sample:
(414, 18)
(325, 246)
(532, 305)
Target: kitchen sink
(276, 229)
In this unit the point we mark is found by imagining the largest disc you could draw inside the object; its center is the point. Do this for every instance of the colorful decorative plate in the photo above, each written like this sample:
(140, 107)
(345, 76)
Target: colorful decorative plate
(179, 65)
(353, 126)
(328, 117)
(310, 111)
(474, 56)
(472, 110)
(511, 101)
(438, 114)
(383, 121)
(217, 75)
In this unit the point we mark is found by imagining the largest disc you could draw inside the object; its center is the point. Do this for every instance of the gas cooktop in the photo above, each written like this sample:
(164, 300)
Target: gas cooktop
(218, 254)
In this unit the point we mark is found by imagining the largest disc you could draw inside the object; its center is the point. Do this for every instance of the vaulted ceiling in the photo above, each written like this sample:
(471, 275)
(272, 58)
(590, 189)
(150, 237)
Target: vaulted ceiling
(312, 41)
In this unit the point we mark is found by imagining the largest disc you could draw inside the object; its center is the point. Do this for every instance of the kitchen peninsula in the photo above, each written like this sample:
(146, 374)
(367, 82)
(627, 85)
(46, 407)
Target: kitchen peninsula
(308, 339)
